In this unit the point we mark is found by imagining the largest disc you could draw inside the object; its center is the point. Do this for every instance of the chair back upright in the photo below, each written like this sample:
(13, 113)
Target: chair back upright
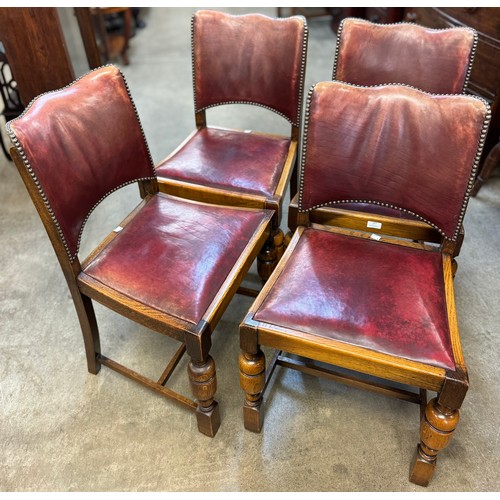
(434, 60)
(78, 145)
(392, 146)
(250, 59)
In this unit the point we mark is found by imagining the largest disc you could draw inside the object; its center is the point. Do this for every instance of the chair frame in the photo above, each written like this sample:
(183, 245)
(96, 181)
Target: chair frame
(440, 416)
(273, 249)
(195, 339)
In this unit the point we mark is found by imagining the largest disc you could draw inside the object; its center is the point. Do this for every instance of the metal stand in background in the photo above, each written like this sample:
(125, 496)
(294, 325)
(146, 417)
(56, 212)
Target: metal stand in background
(12, 106)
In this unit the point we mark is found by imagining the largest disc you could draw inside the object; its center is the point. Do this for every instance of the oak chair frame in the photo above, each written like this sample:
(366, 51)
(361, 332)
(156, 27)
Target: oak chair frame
(195, 339)
(273, 248)
(361, 367)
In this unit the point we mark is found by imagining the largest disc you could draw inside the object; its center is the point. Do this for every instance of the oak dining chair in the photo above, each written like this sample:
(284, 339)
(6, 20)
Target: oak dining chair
(249, 59)
(369, 293)
(172, 265)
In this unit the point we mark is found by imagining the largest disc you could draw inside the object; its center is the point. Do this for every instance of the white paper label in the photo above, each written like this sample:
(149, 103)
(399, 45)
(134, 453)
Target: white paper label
(375, 237)
(117, 229)
(374, 225)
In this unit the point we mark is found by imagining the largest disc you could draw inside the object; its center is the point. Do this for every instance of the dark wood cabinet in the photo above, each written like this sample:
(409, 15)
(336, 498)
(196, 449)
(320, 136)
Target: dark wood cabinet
(384, 15)
(375, 14)
(36, 49)
(485, 76)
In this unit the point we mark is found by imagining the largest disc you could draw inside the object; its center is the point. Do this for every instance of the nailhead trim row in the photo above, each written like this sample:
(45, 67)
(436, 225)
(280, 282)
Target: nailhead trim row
(295, 123)
(470, 184)
(467, 28)
(29, 168)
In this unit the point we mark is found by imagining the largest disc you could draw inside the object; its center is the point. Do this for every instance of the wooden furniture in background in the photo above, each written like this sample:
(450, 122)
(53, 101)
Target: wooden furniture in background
(112, 43)
(231, 65)
(172, 265)
(334, 14)
(86, 25)
(307, 12)
(36, 49)
(375, 14)
(384, 15)
(337, 14)
(360, 292)
(102, 45)
(485, 77)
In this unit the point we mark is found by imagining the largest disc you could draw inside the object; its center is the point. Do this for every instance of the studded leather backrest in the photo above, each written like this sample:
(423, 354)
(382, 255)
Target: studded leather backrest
(79, 144)
(395, 146)
(250, 59)
(437, 61)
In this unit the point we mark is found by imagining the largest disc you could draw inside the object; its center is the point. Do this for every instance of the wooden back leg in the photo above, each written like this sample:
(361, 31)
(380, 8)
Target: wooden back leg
(90, 332)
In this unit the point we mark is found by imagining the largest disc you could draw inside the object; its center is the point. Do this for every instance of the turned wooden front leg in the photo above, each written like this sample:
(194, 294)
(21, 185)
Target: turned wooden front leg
(252, 381)
(90, 332)
(204, 386)
(436, 430)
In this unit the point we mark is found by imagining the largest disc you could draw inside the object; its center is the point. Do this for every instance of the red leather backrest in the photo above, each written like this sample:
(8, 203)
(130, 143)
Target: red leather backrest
(394, 146)
(436, 61)
(79, 144)
(250, 58)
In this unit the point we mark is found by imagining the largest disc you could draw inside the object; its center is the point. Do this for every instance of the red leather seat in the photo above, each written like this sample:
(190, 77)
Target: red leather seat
(381, 306)
(175, 255)
(226, 159)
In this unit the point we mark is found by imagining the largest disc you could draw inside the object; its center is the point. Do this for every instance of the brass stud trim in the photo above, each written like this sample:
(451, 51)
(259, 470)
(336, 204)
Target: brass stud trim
(29, 168)
(470, 184)
(295, 123)
(365, 21)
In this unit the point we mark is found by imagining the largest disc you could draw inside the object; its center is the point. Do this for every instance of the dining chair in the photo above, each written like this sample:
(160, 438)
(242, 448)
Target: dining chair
(172, 265)
(433, 60)
(369, 293)
(242, 59)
